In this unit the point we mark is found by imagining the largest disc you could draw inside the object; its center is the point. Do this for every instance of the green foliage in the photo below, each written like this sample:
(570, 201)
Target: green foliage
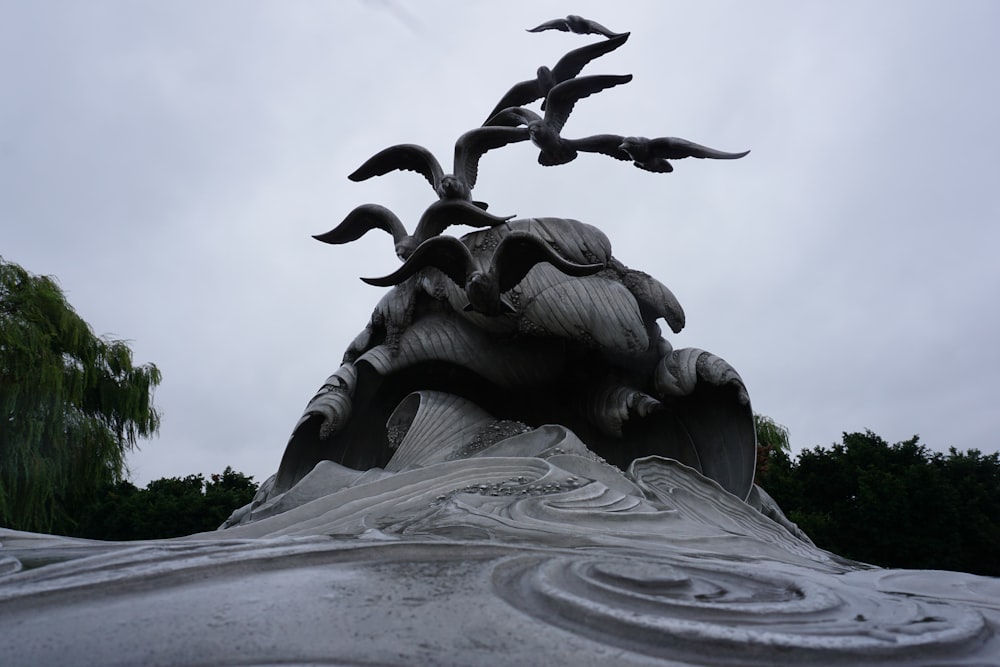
(772, 440)
(71, 404)
(168, 507)
(895, 505)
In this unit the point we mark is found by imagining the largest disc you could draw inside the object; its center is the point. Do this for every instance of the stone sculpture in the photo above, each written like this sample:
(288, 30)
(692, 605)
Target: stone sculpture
(512, 466)
(565, 69)
(546, 132)
(653, 154)
(457, 185)
(577, 24)
(439, 216)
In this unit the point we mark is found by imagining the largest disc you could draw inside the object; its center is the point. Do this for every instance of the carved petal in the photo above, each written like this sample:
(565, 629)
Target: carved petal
(677, 373)
(592, 310)
(327, 413)
(332, 403)
(716, 415)
(432, 425)
(655, 297)
(717, 371)
(576, 241)
(611, 406)
(450, 338)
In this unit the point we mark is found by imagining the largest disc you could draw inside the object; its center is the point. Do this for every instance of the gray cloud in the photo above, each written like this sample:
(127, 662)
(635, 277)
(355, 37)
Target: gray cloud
(169, 162)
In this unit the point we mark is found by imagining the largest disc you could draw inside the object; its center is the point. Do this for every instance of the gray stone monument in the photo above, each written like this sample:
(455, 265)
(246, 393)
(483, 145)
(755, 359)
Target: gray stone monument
(512, 466)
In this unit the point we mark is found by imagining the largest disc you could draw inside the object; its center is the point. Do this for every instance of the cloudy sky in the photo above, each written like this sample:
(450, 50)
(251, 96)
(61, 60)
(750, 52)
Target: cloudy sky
(169, 162)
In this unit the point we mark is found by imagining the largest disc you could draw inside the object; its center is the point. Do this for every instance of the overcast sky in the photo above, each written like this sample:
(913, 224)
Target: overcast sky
(169, 162)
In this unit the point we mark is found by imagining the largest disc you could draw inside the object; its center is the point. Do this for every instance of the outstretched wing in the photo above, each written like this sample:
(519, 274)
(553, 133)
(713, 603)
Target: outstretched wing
(408, 157)
(512, 117)
(554, 24)
(563, 97)
(655, 165)
(473, 144)
(446, 212)
(360, 221)
(521, 93)
(582, 26)
(518, 252)
(606, 144)
(442, 252)
(673, 148)
(573, 62)
(577, 24)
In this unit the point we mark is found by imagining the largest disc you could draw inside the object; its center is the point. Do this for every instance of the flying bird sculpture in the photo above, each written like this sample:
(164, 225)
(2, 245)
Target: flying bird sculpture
(513, 258)
(438, 217)
(457, 185)
(653, 154)
(545, 132)
(568, 67)
(577, 24)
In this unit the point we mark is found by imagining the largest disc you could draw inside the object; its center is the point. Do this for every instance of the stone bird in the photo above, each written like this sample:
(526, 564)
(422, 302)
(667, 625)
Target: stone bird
(577, 24)
(568, 67)
(457, 185)
(653, 154)
(545, 132)
(438, 217)
(514, 256)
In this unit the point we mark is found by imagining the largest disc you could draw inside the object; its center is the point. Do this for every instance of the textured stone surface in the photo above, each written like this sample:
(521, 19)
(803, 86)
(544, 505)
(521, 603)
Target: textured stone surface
(550, 559)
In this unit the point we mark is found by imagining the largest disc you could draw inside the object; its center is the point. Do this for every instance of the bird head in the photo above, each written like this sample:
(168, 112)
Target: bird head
(483, 295)
(406, 247)
(631, 145)
(546, 78)
(453, 187)
(541, 134)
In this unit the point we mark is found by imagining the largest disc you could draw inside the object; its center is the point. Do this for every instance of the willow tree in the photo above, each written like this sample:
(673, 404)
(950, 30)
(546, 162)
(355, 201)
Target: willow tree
(772, 441)
(71, 404)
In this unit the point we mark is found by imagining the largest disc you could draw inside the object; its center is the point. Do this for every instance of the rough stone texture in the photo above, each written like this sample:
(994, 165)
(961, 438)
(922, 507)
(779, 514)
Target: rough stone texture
(468, 489)
(551, 559)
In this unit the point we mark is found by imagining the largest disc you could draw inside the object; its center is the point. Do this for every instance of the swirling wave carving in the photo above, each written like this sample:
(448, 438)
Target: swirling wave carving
(727, 615)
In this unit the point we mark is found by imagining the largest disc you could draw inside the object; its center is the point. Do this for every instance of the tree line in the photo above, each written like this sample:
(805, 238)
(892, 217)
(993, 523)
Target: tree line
(168, 507)
(900, 505)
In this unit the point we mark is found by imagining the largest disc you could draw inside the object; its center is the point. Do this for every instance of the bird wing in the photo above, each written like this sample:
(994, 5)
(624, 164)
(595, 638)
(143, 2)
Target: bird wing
(573, 62)
(446, 212)
(582, 26)
(442, 252)
(563, 97)
(521, 93)
(473, 144)
(518, 252)
(360, 221)
(409, 157)
(512, 117)
(655, 165)
(554, 24)
(673, 148)
(606, 144)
